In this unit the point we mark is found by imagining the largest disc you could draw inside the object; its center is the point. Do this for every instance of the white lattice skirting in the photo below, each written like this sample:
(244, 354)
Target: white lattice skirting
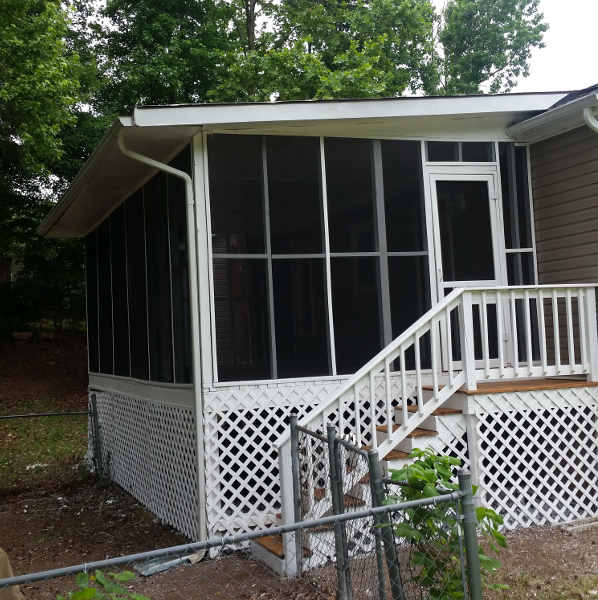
(242, 425)
(150, 450)
(538, 454)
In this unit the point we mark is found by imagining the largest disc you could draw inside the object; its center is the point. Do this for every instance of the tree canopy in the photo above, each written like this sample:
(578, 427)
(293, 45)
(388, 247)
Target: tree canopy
(66, 71)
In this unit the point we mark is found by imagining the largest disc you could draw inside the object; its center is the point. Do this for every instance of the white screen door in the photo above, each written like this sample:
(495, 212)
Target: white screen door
(467, 237)
(468, 240)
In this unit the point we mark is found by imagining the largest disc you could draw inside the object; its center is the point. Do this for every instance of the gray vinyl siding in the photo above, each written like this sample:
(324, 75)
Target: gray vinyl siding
(564, 172)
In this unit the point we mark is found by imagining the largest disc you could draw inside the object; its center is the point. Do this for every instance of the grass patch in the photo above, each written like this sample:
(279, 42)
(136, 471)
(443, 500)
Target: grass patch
(41, 450)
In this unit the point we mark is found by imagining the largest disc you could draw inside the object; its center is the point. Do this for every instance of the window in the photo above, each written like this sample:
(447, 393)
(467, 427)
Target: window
(357, 312)
(91, 275)
(137, 285)
(300, 317)
(294, 194)
(236, 183)
(159, 308)
(350, 194)
(179, 270)
(271, 307)
(118, 257)
(517, 214)
(242, 336)
(105, 299)
(460, 151)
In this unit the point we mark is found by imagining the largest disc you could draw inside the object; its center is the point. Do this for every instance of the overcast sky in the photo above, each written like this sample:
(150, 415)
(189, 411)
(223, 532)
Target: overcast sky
(570, 59)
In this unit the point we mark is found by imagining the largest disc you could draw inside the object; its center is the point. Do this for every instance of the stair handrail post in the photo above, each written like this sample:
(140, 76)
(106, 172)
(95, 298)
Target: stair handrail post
(296, 474)
(592, 333)
(470, 533)
(287, 501)
(345, 591)
(466, 339)
(382, 522)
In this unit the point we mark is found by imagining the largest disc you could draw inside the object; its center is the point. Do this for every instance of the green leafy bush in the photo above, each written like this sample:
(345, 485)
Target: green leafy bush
(103, 587)
(434, 531)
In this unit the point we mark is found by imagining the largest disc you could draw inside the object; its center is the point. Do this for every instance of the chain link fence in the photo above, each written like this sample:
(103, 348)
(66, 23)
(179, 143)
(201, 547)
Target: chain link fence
(415, 553)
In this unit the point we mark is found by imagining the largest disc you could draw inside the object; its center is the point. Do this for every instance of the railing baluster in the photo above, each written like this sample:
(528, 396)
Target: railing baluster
(514, 333)
(418, 375)
(373, 423)
(528, 331)
(341, 417)
(433, 358)
(592, 333)
(484, 331)
(542, 331)
(582, 329)
(388, 391)
(449, 344)
(357, 405)
(570, 340)
(500, 334)
(556, 334)
(403, 386)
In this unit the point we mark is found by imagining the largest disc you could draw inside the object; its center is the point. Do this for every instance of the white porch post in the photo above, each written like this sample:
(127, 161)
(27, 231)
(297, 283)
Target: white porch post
(286, 496)
(592, 333)
(473, 450)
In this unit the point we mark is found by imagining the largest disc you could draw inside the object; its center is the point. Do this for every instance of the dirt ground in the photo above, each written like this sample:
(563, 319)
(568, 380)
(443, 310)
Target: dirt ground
(58, 515)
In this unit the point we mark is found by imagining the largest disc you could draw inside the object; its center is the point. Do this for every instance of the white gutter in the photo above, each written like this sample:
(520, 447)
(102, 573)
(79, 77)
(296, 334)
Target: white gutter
(590, 119)
(555, 121)
(194, 307)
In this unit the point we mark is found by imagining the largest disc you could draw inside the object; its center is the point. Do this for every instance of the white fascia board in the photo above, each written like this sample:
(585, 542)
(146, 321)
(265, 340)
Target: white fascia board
(79, 182)
(553, 122)
(218, 114)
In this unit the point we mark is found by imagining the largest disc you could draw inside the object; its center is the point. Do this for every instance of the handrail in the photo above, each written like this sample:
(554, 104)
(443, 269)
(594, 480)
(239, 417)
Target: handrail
(386, 351)
(448, 302)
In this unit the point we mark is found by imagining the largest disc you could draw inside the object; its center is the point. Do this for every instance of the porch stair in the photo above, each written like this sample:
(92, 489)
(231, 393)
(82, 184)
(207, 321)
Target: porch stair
(394, 403)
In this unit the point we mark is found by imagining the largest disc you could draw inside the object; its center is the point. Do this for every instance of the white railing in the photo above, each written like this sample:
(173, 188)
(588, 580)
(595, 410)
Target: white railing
(473, 334)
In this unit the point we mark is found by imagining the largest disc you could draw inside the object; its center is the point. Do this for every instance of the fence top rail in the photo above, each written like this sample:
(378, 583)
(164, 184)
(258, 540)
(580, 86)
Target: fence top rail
(227, 540)
(312, 433)
(48, 414)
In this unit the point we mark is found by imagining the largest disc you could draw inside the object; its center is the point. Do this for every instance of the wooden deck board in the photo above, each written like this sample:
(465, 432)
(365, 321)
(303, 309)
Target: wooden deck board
(520, 385)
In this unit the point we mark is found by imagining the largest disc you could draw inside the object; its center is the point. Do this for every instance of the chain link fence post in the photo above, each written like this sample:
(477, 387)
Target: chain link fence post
(295, 468)
(96, 440)
(474, 576)
(338, 507)
(383, 523)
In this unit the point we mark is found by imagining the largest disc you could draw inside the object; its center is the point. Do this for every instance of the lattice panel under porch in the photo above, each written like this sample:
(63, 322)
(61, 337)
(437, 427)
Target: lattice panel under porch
(539, 455)
(242, 426)
(150, 450)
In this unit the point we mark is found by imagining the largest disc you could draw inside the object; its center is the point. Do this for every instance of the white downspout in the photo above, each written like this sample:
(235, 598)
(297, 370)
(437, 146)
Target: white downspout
(194, 301)
(590, 118)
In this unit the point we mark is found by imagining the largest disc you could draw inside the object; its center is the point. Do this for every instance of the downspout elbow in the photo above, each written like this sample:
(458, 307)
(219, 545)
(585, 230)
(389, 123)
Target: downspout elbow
(590, 119)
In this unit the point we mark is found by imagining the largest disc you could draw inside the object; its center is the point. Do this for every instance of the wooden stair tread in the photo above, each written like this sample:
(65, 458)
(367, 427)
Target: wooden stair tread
(273, 543)
(352, 501)
(392, 455)
(417, 432)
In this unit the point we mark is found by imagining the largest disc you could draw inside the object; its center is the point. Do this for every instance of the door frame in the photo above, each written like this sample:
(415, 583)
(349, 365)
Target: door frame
(460, 172)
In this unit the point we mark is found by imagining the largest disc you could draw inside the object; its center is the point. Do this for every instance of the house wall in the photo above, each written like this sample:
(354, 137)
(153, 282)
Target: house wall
(564, 172)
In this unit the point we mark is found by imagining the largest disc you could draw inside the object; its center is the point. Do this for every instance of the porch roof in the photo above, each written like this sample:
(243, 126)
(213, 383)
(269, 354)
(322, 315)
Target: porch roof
(108, 177)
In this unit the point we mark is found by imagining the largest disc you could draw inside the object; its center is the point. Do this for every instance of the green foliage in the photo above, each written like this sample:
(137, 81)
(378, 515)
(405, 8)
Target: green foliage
(103, 587)
(38, 83)
(488, 42)
(433, 531)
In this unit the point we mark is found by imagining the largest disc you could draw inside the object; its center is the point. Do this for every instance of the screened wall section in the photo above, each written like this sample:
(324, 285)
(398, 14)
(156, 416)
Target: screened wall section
(138, 319)
(319, 252)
